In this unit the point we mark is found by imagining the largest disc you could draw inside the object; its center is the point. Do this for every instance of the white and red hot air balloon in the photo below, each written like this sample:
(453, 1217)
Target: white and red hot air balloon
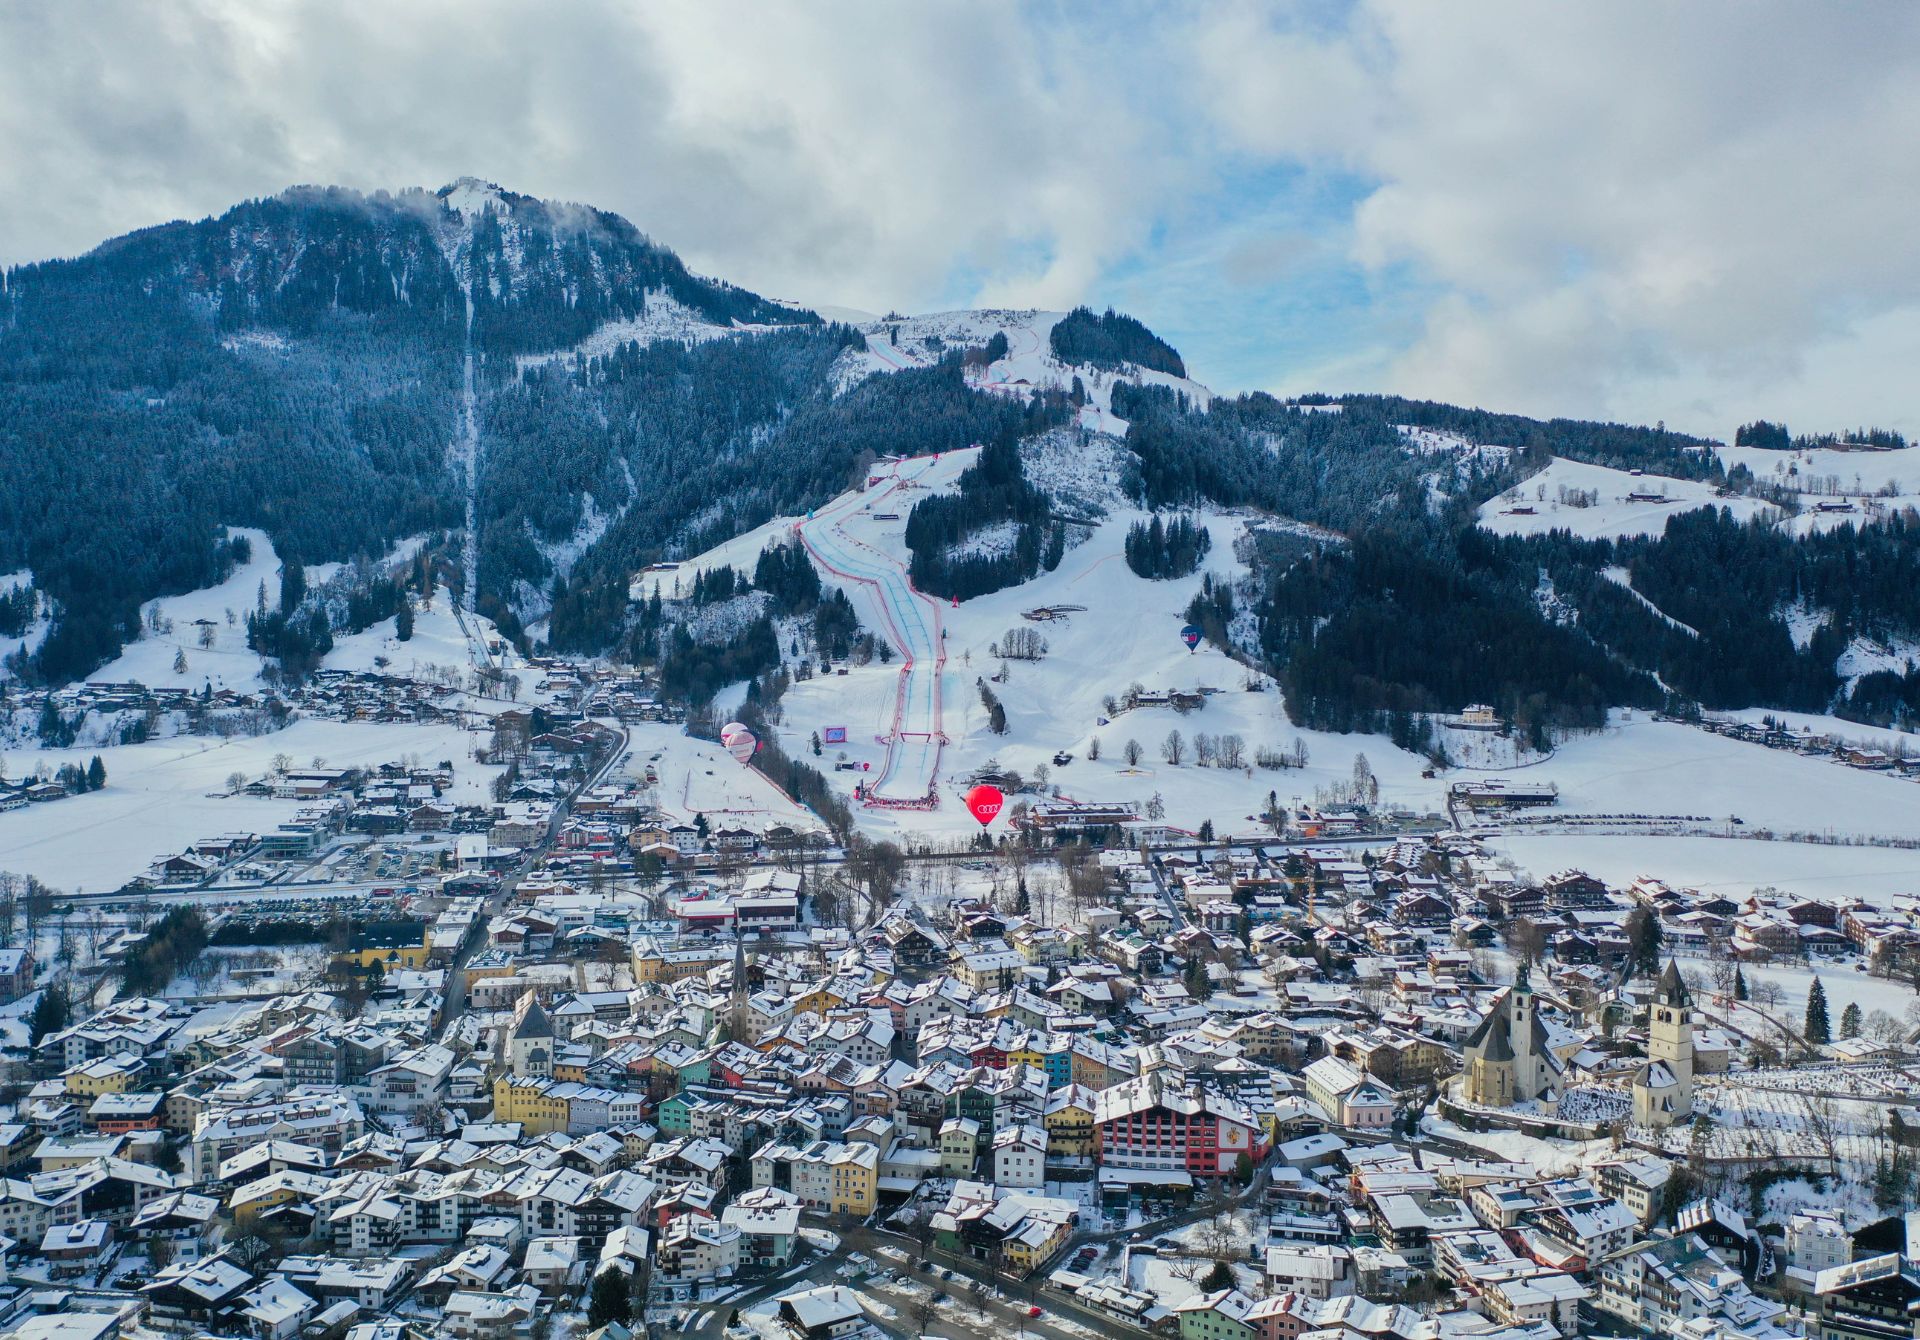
(738, 741)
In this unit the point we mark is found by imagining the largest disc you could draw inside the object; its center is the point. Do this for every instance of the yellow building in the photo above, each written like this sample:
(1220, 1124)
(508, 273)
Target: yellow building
(651, 963)
(105, 1074)
(1069, 1121)
(1024, 1251)
(1029, 1052)
(389, 952)
(855, 1188)
(286, 1187)
(532, 1103)
(1096, 1066)
(819, 1000)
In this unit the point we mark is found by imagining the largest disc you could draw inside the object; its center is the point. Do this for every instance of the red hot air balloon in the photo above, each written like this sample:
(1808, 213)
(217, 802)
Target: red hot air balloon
(984, 802)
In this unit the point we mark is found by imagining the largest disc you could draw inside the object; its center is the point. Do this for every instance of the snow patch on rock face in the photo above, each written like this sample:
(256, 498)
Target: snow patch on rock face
(35, 633)
(665, 318)
(711, 625)
(1803, 621)
(1866, 656)
(469, 197)
(1084, 473)
(255, 341)
(1623, 579)
(992, 541)
(1554, 606)
(1457, 462)
(1434, 442)
(563, 554)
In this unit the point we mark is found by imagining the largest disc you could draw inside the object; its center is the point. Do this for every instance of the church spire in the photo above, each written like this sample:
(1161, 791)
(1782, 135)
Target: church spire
(1671, 990)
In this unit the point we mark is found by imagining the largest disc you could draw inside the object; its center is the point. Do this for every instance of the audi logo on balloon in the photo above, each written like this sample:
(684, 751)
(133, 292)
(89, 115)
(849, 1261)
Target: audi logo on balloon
(984, 802)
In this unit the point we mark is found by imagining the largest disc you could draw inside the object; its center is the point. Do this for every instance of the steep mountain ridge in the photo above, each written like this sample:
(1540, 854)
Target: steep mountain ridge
(556, 402)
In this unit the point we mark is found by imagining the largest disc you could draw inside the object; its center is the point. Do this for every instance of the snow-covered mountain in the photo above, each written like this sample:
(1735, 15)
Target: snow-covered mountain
(552, 402)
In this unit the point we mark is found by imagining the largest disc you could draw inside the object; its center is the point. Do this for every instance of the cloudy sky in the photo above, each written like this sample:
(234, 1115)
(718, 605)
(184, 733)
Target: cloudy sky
(1697, 213)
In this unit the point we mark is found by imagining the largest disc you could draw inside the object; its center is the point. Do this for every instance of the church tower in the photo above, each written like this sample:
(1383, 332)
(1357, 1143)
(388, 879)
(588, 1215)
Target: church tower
(736, 1020)
(1663, 1090)
(1508, 1059)
(531, 1040)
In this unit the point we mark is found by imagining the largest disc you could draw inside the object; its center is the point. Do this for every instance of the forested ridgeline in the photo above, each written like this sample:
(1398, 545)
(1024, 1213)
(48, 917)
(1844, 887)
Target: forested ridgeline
(1775, 437)
(294, 365)
(1754, 616)
(1617, 446)
(993, 492)
(134, 424)
(716, 439)
(545, 276)
(1341, 471)
(1111, 341)
(1424, 612)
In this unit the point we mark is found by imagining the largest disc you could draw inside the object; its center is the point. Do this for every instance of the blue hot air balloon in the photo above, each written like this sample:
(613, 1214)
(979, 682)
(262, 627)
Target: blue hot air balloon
(1191, 636)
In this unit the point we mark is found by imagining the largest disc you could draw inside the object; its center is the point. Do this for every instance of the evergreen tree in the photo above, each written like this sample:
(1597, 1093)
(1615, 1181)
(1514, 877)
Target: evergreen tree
(1850, 1020)
(96, 774)
(1739, 984)
(293, 583)
(1198, 984)
(609, 1302)
(1816, 1028)
(1643, 941)
(51, 1012)
(403, 620)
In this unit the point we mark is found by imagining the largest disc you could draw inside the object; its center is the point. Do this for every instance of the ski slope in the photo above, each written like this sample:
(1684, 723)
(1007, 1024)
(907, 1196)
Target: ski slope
(909, 619)
(1029, 365)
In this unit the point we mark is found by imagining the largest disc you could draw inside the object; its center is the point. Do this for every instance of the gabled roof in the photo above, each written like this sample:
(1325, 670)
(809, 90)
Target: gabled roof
(534, 1022)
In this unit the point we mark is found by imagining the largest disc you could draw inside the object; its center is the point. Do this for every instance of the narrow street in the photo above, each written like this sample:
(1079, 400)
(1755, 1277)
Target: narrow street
(456, 994)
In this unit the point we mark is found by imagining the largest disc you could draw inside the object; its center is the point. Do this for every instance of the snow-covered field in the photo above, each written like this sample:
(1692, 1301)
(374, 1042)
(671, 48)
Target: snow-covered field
(1827, 473)
(1641, 766)
(437, 644)
(699, 777)
(228, 663)
(1611, 515)
(1721, 865)
(1844, 986)
(157, 795)
(1852, 732)
(1856, 471)
(216, 613)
